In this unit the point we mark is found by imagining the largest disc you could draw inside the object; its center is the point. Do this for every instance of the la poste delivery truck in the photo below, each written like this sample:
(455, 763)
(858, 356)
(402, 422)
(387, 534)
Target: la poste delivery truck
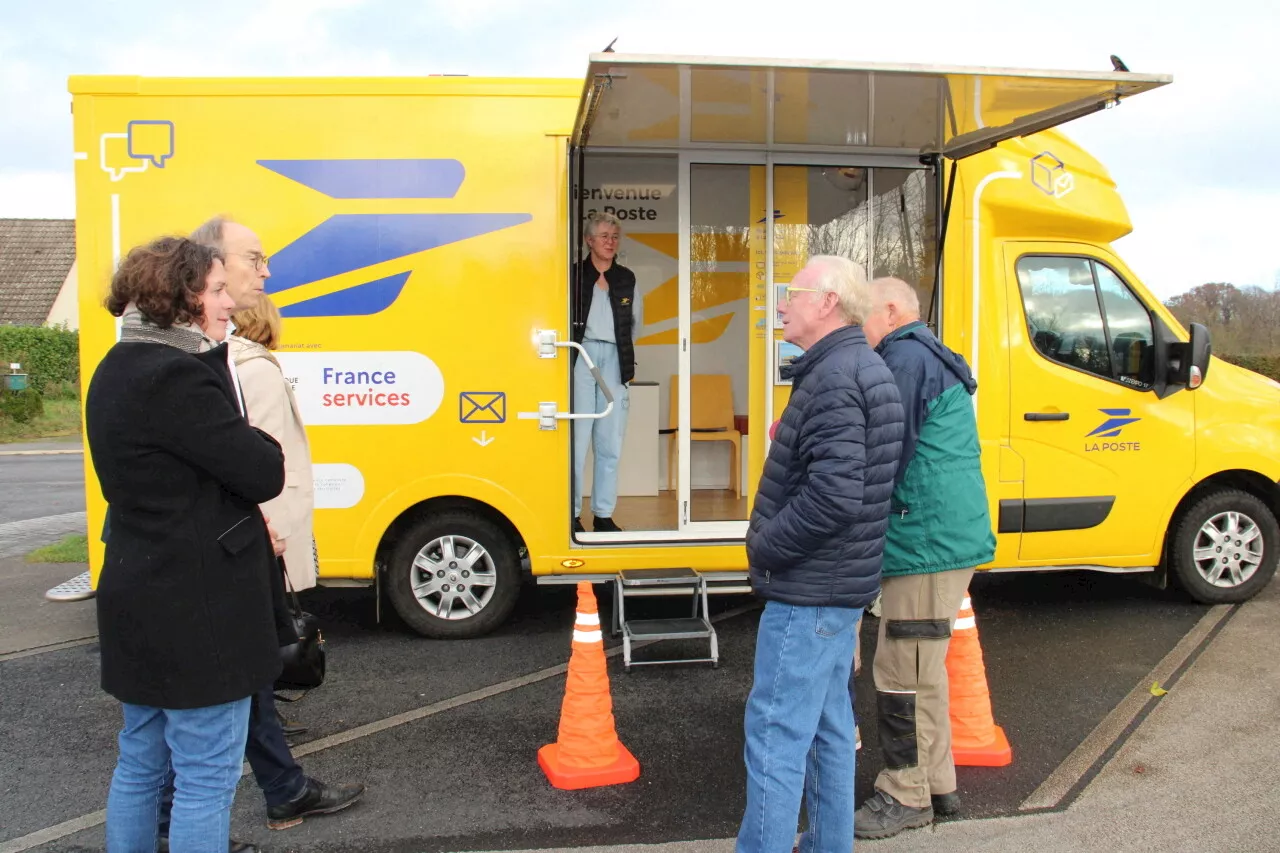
(422, 233)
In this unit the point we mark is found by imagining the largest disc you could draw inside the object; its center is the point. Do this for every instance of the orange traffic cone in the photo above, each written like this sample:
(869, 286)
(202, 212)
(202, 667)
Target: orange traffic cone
(587, 752)
(976, 741)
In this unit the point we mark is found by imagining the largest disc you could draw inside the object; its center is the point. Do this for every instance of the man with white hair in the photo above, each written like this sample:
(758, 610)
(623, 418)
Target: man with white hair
(939, 531)
(814, 546)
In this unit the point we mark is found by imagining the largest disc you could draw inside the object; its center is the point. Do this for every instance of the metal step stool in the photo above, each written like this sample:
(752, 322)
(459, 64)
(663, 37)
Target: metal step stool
(647, 583)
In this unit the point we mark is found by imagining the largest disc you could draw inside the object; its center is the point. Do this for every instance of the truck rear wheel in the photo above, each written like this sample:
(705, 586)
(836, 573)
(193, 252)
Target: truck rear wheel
(455, 575)
(1225, 547)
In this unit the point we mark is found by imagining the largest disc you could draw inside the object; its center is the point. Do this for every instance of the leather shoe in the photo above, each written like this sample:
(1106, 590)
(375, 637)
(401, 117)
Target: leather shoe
(316, 798)
(604, 525)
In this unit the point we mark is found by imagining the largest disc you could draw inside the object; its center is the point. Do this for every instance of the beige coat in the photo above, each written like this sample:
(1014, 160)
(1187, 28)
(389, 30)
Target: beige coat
(272, 408)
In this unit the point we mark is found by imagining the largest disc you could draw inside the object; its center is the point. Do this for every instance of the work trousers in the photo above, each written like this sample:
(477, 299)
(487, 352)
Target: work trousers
(916, 618)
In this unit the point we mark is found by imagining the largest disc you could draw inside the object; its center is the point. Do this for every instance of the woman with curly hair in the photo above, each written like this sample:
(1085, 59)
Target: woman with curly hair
(186, 624)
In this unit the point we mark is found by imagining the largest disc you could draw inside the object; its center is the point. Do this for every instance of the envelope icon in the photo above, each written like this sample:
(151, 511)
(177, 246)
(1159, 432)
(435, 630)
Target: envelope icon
(482, 407)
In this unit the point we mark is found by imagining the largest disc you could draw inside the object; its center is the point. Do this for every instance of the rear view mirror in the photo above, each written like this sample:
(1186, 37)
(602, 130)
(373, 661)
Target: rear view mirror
(1190, 363)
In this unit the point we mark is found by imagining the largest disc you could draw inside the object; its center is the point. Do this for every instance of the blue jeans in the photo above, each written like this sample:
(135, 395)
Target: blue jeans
(604, 435)
(274, 768)
(799, 731)
(205, 746)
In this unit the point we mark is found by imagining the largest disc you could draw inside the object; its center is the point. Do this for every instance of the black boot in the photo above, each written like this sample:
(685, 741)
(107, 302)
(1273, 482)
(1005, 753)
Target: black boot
(604, 525)
(316, 798)
(946, 805)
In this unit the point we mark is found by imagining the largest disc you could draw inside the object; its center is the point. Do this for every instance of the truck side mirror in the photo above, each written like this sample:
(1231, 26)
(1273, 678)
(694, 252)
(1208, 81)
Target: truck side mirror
(1190, 364)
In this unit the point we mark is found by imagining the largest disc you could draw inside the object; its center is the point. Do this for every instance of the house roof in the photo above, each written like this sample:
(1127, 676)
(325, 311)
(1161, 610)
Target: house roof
(35, 257)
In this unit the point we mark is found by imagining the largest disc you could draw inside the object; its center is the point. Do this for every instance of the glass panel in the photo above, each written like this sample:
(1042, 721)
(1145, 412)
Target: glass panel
(1063, 317)
(1132, 337)
(821, 108)
(640, 109)
(904, 230)
(728, 105)
(641, 192)
(915, 108)
(908, 112)
(720, 323)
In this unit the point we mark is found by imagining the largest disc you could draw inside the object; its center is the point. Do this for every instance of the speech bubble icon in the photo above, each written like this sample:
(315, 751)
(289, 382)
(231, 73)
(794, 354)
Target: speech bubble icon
(151, 140)
(113, 153)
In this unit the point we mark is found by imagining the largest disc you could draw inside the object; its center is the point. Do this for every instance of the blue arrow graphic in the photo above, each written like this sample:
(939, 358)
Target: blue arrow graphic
(374, 178)
(351, 241)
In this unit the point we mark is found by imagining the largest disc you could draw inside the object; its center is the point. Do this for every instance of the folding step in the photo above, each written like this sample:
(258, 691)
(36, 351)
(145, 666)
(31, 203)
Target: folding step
(646, 583)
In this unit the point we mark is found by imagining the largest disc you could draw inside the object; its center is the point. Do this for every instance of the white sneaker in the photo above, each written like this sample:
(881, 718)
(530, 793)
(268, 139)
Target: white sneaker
(857, 738)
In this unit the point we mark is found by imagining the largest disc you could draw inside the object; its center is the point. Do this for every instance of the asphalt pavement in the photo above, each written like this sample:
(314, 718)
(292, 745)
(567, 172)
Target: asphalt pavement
(41, 494)
(445, 733)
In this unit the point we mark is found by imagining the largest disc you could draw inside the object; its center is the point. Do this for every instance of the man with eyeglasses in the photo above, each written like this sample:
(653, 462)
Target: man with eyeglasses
(605, 317)
(814, 547)
(291, 795)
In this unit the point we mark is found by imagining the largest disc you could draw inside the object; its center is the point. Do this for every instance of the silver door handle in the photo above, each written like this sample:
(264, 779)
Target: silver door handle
(547, 413)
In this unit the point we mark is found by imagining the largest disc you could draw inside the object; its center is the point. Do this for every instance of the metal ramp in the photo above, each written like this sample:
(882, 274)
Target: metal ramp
(647, 583)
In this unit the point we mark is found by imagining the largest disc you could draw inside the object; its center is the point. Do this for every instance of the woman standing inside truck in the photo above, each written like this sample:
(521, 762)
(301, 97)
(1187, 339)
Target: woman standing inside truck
(604, 321)
(185, 621)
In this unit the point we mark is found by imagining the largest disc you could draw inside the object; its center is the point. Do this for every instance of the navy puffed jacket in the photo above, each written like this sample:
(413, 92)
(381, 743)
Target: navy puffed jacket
(817, 528)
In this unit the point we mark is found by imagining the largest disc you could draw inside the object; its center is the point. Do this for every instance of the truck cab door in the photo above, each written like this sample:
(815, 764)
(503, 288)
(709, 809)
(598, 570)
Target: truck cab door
(1107, 447)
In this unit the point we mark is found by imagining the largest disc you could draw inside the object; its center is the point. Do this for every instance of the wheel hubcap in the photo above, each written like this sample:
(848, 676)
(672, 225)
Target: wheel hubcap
(1228, 549)
(453, 577)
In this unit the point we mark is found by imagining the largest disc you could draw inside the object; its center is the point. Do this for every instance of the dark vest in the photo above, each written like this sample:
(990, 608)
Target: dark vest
(622, 294)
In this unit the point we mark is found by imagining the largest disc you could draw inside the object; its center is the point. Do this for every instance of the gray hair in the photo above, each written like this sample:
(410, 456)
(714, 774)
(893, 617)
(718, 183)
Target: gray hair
(847, 281)
(595, 220)
(210, 233)
(897, 291)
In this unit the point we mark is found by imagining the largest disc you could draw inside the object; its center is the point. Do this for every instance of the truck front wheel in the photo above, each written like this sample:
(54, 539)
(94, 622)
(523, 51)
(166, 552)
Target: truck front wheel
(1225, 547)
(455, 575)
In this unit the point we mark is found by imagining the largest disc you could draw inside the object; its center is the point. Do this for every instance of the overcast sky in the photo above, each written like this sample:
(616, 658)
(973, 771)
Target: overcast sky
(1189, 158)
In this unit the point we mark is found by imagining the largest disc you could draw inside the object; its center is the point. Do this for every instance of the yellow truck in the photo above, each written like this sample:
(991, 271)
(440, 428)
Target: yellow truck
(422, 234)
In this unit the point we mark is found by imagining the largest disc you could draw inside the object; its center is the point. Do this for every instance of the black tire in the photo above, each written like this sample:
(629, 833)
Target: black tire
(1187, 531)
(501, 562)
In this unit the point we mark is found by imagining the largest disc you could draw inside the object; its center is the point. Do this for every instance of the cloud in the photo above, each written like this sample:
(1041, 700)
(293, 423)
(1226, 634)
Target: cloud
(1171, 151)
(1202, 236)
(37, 194)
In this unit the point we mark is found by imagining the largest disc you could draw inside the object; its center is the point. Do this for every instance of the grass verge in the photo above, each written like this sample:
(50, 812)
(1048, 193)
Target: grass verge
(73, 549)
(61, 418)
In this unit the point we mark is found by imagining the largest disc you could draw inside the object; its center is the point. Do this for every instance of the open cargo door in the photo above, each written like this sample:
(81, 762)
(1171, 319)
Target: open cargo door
(654, 101)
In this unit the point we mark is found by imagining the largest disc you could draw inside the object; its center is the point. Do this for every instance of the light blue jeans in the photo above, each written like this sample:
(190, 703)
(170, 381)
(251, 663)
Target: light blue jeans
(604, 435)
(799, 731)
(206, 748)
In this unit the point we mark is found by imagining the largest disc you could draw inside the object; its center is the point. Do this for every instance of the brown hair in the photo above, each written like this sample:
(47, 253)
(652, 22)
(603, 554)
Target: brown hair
(260, 324)
(164, 278)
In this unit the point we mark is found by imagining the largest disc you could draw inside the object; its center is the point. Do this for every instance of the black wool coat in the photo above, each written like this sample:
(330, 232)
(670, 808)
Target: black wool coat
(184, 600)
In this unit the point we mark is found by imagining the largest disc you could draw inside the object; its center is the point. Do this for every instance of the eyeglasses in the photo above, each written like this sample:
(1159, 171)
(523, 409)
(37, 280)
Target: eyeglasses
(791, 290)
(258, 259)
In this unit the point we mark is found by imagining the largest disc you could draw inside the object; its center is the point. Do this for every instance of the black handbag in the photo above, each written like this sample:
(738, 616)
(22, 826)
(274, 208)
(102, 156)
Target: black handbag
(304, 661)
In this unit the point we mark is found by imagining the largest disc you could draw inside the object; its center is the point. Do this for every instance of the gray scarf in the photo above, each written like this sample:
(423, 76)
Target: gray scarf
(187, 337)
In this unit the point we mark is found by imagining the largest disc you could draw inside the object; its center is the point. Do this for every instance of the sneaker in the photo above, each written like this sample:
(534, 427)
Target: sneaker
(857, 738)
(316, 798)
(882, 816)
(604, 525)
(946, 805)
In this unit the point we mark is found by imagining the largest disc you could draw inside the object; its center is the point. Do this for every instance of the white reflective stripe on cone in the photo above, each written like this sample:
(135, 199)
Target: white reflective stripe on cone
(587, 637)
(966, 604)
(966, 622)
(586, 619)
